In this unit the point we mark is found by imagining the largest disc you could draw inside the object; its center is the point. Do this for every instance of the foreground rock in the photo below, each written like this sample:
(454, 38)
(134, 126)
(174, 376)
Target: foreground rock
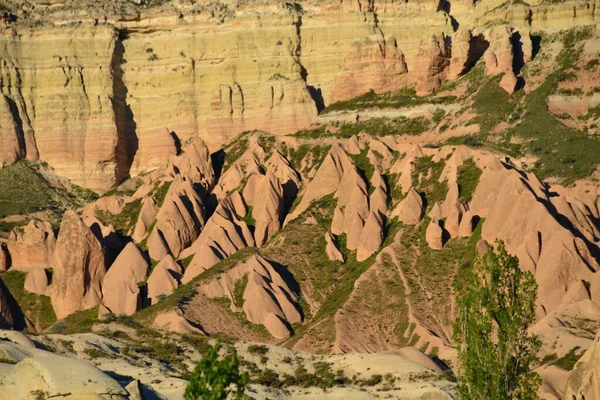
(38, 371)
(78, 268)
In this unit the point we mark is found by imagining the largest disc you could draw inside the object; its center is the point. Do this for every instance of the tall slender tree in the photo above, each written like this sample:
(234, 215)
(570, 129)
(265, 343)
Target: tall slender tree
(496, 353)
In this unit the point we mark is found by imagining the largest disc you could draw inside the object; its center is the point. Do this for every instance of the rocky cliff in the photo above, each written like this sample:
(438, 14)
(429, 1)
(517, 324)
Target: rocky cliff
(104, 92)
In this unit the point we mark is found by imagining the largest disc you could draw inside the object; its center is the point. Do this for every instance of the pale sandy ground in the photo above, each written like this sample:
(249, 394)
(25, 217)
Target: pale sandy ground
(412, 376)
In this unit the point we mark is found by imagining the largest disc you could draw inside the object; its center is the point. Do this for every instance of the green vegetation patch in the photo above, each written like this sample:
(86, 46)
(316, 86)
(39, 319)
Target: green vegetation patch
(425, 177)
(37, 308)
(126, 220)
(78, 322)
(238, 291)
(467, 179)
(183, 294)
(568, 361)
(383, 126)
(24, 191)
(406, 97)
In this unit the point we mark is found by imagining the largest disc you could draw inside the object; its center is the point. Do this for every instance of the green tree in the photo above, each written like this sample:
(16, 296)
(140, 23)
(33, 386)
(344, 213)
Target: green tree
(215, 379)
(496, 354)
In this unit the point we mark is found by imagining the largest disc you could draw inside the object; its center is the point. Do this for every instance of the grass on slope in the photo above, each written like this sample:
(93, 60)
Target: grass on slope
(467, 179)
(183, 294)
(25, 191)
(406, 97)
(430, 273)
(37, 308)
(562, 152)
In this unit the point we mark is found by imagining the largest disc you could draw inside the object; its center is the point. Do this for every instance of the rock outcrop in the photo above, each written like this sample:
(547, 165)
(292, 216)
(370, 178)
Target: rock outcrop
(78, 268)
(264, 194)
(164, 279)
(333, 253)
(224, 234)
(371, 237)
(120, 290)
(38, 371)
(36, 281)
(4, 257)
(434, 235)
(8, 317)
(376, 64)
(411, 209)
(179, 221)
(584, 381)
(267, 298)
(31, 246)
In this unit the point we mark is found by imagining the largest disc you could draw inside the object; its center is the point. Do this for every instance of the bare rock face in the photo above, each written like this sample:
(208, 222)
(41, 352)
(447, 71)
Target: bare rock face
(482, 247)
(326, 180)
(411, 209)
(371, 237)
(452, 224)
(466, 225)
(224, 234)
(279, 106)
(434, 236)
(279, 166)
(432, 62)
(378, 201)
(584, 381)
(268, 298)
(4, 260)
(164, 279)
(78, 268)
(121, 294)
(265, 195)
(32, 246)
(461, 45)
(147, 214)
(195, 165)
(333, 253)
(515, 211)
(36, 281)
(352, 208)
(499, 57)
(375, 64)
(179, 221)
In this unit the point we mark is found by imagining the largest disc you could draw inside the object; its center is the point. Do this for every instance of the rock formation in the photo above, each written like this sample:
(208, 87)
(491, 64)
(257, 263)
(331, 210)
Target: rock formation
(224, 234)
(39, 371)
(164, 279)
(36, 281)
(31, 246)
(4, 260)
(434, 235)
(375, 64)
(410, 210)
(78, 268)
(584, 381)
(120, 290)
(264, 194)
(179, 221)
(8, 319)
(333, 253)
(268, 298)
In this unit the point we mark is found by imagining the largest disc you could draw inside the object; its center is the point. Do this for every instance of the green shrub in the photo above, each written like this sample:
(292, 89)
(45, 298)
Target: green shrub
(215, 379)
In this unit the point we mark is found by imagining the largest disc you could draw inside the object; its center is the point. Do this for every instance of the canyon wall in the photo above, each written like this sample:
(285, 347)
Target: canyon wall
(100, 97)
